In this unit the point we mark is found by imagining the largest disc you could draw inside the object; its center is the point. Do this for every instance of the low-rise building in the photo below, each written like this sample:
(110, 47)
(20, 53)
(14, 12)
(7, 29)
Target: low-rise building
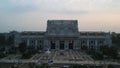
(63, 34)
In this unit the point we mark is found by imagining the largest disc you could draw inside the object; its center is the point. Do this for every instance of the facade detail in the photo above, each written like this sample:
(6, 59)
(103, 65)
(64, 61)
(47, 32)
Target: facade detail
(63, 35)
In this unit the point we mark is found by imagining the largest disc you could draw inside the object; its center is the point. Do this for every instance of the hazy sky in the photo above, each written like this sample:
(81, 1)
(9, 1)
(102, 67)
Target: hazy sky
(32, 15)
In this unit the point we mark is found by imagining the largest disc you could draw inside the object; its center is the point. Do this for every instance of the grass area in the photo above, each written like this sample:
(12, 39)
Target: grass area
(12, 56)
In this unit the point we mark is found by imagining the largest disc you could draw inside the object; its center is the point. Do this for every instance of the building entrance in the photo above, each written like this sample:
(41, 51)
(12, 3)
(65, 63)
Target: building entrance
(62, 44)
(70, 44)
(52, 44)
(40, 47)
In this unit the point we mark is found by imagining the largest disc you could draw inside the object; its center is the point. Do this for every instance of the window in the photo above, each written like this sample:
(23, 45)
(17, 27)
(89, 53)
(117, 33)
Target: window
(40, 41)
(100, 42)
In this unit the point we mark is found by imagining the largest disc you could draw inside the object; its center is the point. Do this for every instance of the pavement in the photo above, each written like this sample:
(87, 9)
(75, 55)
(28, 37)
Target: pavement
(54, 57)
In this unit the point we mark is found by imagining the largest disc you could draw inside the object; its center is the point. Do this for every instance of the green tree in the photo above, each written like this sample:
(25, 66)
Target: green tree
(10, 40)
(116, 39)
(2, 39)
(111, 52)
(22, 47)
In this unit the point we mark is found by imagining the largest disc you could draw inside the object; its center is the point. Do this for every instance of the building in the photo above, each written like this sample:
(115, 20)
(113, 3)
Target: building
(63, 34)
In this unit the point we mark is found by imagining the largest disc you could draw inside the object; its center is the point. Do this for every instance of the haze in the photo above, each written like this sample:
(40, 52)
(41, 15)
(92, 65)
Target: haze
(32, 15)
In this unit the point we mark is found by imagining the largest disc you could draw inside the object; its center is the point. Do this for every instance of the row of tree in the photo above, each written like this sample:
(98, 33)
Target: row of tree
(26, 51)
(109, 52)
(6, 41)
(116, 39)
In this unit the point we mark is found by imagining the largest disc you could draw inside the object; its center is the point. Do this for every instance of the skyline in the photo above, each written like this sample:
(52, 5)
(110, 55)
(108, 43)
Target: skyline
(30, 15)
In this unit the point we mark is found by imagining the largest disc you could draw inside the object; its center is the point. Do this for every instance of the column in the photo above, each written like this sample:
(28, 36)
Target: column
(87, 42)
(45, 44)
(66, 44)
(74, 44)
(57, 45)
(96, 44)
(105, 42)
(80, 43)
(77, 45)
(49, 45)
(28, 42)
(36, 44)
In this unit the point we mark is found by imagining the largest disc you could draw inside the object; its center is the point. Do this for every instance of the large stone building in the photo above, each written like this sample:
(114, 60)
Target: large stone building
(63, 34)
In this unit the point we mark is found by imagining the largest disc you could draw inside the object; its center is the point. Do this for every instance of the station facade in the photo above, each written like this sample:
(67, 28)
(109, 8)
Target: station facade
(63, 35)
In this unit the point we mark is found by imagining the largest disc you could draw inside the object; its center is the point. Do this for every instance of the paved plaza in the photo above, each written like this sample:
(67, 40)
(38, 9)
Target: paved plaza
(63, 55)
(58, 57)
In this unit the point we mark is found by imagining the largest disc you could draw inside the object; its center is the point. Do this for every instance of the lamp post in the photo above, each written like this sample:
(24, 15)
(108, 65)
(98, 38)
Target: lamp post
(104, 61)
(94, 64)
(47, 53)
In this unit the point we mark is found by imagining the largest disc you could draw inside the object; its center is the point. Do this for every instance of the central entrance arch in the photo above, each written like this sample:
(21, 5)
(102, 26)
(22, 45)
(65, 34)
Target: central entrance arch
(70, 44)
(52, 44)
(62, 44)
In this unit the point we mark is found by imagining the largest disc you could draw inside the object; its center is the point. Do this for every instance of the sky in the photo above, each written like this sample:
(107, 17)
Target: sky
(32, 15)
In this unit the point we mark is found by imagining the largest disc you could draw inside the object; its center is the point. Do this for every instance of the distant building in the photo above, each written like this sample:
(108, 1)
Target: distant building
(63, 34)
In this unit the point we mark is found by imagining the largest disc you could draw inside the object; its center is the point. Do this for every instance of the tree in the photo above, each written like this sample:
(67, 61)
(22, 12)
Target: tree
(2, 39)
(28, 52)
(84, 47)
(22, 47)
(111, 52)
(10, 40)
(12, 50)
(116, 39)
